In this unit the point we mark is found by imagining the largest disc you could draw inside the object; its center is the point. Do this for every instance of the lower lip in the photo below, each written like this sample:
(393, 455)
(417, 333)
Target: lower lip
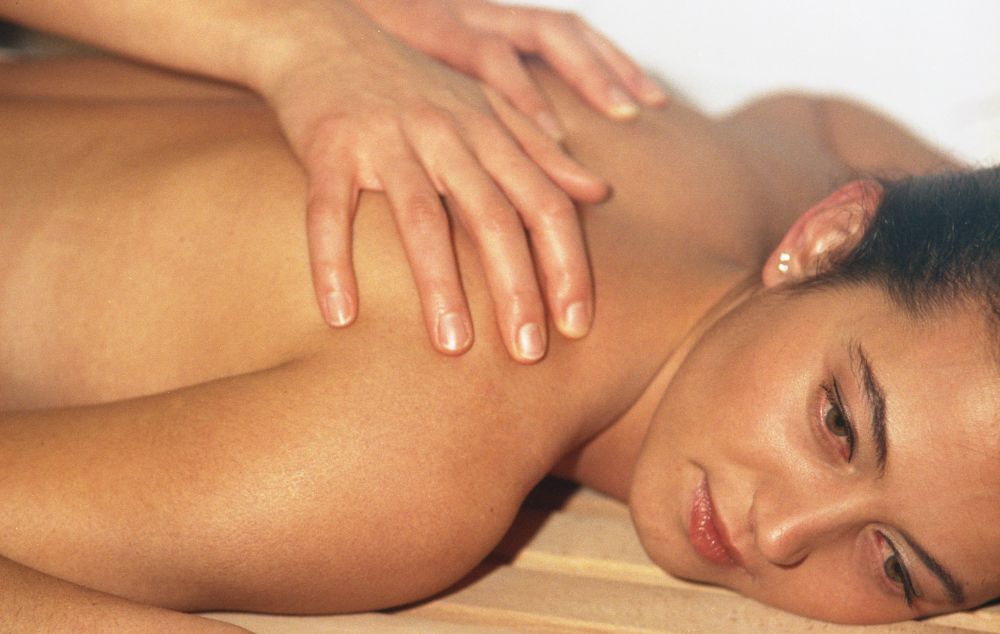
(703, 532)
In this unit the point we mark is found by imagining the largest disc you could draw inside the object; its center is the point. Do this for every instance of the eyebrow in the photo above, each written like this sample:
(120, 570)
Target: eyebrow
(875, 396)
(955, 593)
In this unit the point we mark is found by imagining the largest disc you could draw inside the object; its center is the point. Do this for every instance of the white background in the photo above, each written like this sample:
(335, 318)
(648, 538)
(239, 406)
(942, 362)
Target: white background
(932, 64)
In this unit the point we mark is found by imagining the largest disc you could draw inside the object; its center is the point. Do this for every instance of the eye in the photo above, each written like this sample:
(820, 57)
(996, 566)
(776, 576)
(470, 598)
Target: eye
(836, 423)
(835, 420)
(895, 571)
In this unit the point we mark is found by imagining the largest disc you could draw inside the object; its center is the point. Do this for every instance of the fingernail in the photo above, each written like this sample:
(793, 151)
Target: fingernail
(622, 106)
(338, 308)
(652, 92)
(530, 344)
(577, 320)
(452, 332)
(550, 125)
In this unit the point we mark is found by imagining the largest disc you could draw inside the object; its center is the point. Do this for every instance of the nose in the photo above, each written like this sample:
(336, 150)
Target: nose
(788, 522)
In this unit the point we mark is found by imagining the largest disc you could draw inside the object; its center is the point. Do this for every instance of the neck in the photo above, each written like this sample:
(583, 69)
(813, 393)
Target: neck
(605, 462)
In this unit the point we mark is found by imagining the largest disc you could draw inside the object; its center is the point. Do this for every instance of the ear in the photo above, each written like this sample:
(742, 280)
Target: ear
(836, 222)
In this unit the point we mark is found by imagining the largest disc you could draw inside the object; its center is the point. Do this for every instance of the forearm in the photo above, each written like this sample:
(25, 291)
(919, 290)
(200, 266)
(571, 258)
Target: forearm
(243, 41)
(35, 602)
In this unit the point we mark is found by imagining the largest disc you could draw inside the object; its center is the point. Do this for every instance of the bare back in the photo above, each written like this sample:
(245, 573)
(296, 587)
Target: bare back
(157, 234)
(153, 240)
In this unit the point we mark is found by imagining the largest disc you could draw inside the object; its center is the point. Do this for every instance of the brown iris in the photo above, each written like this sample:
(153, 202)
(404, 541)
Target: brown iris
(836, 423)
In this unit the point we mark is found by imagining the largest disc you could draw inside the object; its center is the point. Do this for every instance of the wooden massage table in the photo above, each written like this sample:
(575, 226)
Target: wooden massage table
(572, 563)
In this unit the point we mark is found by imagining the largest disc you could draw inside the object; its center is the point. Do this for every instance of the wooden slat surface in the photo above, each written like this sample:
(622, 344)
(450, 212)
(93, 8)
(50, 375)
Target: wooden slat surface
(572, 563)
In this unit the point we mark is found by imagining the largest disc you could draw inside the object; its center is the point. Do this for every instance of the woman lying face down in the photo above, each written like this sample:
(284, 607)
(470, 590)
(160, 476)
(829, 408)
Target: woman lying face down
(796, 406)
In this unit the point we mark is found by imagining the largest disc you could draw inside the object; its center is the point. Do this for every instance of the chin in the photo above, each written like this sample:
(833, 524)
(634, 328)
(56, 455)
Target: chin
(660, 529)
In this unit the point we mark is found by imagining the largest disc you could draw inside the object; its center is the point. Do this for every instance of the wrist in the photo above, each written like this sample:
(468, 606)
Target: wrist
(308, 32)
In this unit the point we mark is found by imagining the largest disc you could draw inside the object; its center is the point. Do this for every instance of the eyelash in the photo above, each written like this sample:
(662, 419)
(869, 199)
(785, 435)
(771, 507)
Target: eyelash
(909, 592)
(835, 403)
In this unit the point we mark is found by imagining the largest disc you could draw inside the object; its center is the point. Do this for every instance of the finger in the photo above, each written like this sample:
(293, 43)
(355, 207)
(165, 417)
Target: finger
(554, 226)
(637, 81)
(577, 61)
(576, 180)
(559, 39)
(496, 232)
(500, 66)
(329, 219)
(424, 229)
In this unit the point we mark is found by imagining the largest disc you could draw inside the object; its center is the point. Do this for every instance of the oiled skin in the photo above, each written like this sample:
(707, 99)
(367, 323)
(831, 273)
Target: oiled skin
(152, 249)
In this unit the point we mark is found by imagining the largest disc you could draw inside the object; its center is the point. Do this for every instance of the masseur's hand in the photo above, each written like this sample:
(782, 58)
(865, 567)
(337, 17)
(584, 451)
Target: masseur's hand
(412, 129)
(486, 40)
(386, 117)
(364, 111)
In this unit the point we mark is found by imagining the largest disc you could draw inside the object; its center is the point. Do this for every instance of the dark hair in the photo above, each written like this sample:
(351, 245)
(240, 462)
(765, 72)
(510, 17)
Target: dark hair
(934, 240)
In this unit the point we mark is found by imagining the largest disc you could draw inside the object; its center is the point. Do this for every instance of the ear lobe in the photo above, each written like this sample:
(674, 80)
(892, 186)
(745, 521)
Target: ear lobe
(837, 222)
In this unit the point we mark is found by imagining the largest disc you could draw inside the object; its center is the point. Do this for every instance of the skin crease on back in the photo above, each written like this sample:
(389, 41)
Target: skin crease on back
(169, 257)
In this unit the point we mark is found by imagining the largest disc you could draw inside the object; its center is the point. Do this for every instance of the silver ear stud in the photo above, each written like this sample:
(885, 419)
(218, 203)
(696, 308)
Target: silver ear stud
(783, 259)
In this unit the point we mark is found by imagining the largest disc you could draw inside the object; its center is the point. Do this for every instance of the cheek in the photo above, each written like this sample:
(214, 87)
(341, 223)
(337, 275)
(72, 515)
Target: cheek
(737, 398)
(719, 412)
(827, 590)
(834, 583)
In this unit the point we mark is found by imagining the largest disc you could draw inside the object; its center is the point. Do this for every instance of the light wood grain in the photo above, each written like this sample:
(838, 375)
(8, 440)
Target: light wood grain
(572, 563)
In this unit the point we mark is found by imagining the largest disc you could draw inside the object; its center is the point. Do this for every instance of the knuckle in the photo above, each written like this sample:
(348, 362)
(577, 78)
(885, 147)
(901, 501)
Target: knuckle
(485, 126)
(493, 47)
(523, 297)
(320, 206)
(631, 74)
(493, 225)
(326, 134)
(564, 282)
(555, 210)
(326, 218)
(433, 119)
(438, 288)
(422, 212)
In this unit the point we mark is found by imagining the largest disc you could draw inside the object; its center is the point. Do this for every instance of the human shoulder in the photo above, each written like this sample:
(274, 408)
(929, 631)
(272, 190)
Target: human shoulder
(872, 142)
(798, 147)
(863, 139)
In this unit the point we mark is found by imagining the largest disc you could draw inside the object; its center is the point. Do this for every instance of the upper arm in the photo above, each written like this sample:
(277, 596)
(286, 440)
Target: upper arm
(288, 489)
(869, 142)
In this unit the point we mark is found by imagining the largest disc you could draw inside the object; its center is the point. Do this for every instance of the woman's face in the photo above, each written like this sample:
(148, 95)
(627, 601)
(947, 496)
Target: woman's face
(830, 455)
